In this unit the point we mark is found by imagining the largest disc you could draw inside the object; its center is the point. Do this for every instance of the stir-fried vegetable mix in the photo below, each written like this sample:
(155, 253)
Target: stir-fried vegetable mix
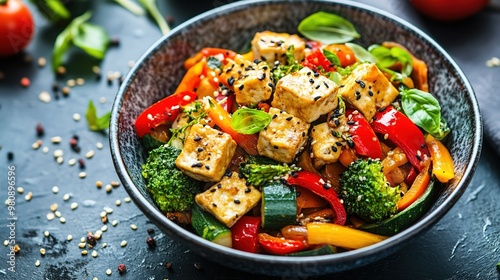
(314, 145)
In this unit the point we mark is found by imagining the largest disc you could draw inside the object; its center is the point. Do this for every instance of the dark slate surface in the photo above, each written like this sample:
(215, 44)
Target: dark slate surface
(463, 245)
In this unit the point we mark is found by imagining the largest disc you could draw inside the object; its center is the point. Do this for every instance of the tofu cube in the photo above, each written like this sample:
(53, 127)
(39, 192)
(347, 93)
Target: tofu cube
(206, 154)
(367, 90)
(229, 199)
(234, 69)
(254, 86)
(271, 46)
(306, 94)
(284, 137)
(325, 147)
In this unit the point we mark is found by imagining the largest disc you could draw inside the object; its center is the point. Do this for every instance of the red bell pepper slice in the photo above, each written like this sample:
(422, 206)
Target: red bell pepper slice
(317, 59)
(365, 140)
(245, 234)
(161, 112)
(280, 246)
(317, 185)
(207, 52)
(400, 130)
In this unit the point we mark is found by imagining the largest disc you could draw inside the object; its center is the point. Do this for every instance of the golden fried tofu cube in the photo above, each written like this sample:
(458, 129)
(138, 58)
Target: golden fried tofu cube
(306, 94)
(229, 199)
(284, 137)
(254, 86)
(367, 90)
(271, 46)
(234, 69)
(206, 154)
(325, 147)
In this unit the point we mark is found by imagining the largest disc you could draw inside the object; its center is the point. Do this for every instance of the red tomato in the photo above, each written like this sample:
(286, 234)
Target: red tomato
(344, 53)
(449, 10)
(16, 27)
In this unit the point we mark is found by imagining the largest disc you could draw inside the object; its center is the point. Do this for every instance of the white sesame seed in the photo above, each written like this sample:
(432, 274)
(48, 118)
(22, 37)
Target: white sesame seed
(82, 175)
(130, 63)
(104, 228)
(71, 83)
(90, 154)
(99, 145)
(70, 237)
(77, 117)
(44, 97)
(62, 220)
(66, 196)
(118, 202)
(20, 190)
(58, 153)
(74, 205)
(123, 243)
(127, 199)
(108, 188)
(115, 184)
(50, 216)
(42, 251)
(55, 189)
(37, 263)
(42, 61)
(102, 100)
(45, 150)
(84, 252)
(36, 145)
(56, 139)
(82, 240)
(80, 81)
(72, 161)
(96, 69)
(82, 245)
(53, 207)
(114, 223)
(108, 210)
(104, 245)
(59, 160)
(103, 214)
(133, 226)
(108, 271)
(46, 233)
(58, 214)
(28, 196)
(6, 242)
(94, 253)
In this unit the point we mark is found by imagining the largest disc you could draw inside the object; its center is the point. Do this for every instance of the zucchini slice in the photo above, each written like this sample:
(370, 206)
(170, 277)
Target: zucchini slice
(279, 206)
(208, 227)
(323, 250)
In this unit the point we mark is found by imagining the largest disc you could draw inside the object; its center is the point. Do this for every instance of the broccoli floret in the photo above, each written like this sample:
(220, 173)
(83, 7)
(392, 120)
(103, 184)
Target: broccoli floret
(366, 192)
(171, 189)
(259, 170)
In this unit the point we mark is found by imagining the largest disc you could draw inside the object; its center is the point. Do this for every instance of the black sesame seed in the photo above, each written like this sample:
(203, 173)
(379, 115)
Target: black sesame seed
(326, 85)
(274, 116)
(198, 164)
(207, 167)
(237, 201)
(334, 149)
(289, 118)
(317, 86)
(418, 157)
(276, 147)
(311, 81)
(200, 149)
(214, 205)
(241, 87)
(219, 186)
(350, 143)
(213, 189)
(327, 186)
(230, 81)
(247, 190)
(316, 98)
(316, 74)
(197, 138)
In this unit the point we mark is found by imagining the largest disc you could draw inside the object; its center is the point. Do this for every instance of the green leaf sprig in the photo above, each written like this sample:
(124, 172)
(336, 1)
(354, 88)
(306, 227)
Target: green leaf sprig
(424, 110)
(91, 38)
(131, 7)
(327, 28)
(53, 10)
(387, 57)
(94, 122)
(249, 121)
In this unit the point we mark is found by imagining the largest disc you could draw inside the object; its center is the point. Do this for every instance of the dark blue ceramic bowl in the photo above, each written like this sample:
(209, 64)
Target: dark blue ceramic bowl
(232, 26)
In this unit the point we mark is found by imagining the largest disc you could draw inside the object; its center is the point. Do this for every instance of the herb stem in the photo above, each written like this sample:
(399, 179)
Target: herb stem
(131, 6)
(3, 2)
(151, 7)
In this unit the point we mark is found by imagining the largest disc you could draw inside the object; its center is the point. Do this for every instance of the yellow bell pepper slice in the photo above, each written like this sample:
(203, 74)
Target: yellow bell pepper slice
(341, 236)
(442, 162)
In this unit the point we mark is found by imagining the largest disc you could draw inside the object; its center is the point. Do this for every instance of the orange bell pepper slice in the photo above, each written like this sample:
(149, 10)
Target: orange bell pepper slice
(418, 187)
(192, 78)
(222, 119)
(442, 162)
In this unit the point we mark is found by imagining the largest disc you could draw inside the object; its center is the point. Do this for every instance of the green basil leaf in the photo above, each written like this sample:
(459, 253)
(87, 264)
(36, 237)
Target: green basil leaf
(333, 58)
(327, 28)
(405, 58)
(424, 110)
(153, 11)
(91, 38)
(249, 121)
(386, 58)
(94, 122)
(361, 53)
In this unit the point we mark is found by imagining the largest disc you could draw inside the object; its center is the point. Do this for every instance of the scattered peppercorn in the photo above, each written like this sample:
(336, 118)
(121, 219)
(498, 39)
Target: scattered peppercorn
(151, 231)
(168, 265)
(39, 130)
(25, 82)
(122, 268)
(91, 240)
(115, 42)
(10, 155)
(151, 242)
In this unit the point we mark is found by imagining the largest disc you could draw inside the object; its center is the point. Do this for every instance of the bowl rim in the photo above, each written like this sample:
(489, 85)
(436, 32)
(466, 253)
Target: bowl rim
(399, 239)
